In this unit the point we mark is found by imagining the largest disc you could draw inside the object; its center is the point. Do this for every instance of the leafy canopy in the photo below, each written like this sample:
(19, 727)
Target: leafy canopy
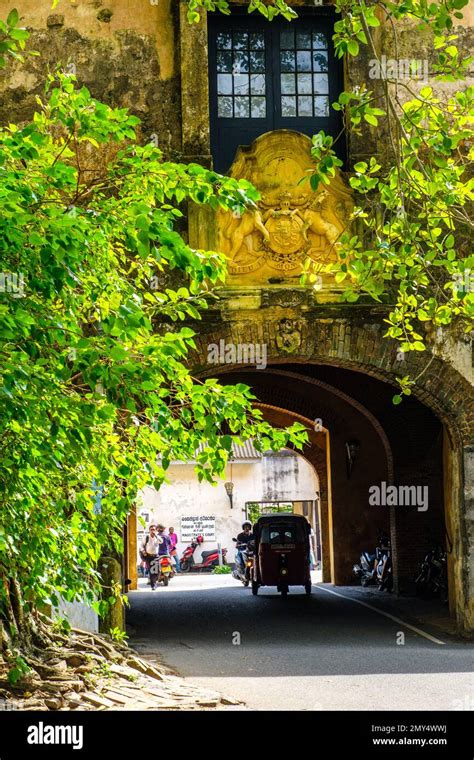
(96, 394)
(409, 238)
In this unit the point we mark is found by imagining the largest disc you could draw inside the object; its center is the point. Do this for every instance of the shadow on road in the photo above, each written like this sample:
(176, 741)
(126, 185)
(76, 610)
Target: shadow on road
(322, 634)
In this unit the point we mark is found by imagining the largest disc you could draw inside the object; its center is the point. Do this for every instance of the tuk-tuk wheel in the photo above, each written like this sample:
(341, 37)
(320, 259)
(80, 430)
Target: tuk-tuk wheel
(307, 587)
(254, 588)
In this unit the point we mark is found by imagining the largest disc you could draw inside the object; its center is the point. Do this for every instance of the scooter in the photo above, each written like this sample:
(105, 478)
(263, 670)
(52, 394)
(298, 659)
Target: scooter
(376, 569)
(365, 569)
(162, 569)
(432, 579)
(209, 559)
(244, 574)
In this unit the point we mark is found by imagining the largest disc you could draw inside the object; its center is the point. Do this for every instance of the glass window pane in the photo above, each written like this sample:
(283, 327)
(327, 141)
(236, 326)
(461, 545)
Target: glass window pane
(303, 40)
(305, 106)
(287, 39)
(288, 106)
(321, 83)
(224, 108)
(259, 109)
(321, 105)
(241, 84)
(241, 63)
(242, 108)
(224, 40)
(224, 84)
(305, 84)
(257, 84)
(287, 58)
(241, 40)
(319, 40)
(320, 61)
(303, 59)
(288, 84)
(257, 61)
(224, 61)
(257, 41)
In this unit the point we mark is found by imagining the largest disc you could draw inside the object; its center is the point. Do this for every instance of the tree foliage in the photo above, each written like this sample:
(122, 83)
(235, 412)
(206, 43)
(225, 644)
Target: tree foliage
(96, 393)
(409, 242)
(268, 9)
(13, 39)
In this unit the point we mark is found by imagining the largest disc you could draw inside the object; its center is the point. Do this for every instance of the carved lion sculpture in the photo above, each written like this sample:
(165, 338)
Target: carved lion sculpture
(240, 229)
(315, 221)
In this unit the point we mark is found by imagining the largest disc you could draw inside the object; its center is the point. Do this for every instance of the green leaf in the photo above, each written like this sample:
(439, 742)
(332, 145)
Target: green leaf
(353, 47)
(370, 119)
(13, 18)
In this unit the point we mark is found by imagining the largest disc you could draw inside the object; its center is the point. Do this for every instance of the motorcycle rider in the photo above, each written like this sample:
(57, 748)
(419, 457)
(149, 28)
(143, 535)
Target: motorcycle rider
(243, 539)
(149, 552)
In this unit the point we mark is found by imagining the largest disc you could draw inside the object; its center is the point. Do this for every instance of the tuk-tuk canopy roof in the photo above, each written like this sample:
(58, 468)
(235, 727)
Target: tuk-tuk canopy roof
(282, 521)
(277, 516)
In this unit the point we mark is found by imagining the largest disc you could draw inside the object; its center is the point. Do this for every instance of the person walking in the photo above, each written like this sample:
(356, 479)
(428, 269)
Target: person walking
(174, 548)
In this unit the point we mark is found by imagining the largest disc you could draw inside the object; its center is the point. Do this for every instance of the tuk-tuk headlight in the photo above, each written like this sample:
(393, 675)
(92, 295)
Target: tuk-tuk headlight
(284, 571)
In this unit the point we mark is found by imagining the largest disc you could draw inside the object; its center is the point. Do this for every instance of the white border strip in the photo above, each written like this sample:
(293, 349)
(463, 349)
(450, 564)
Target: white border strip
(381, 612)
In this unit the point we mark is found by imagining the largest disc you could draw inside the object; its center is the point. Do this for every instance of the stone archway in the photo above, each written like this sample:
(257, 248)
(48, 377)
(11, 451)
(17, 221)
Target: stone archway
(351, 339)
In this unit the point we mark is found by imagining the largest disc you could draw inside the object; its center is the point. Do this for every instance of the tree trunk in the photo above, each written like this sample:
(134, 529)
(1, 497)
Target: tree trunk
(15, 625)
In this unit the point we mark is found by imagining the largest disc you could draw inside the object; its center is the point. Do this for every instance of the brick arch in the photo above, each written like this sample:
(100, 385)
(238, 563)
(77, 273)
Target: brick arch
(352, 338)
(360, 347)
(286, 405)
(281, 410)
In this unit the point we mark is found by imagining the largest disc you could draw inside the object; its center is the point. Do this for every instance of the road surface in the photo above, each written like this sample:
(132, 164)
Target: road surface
(318, 652)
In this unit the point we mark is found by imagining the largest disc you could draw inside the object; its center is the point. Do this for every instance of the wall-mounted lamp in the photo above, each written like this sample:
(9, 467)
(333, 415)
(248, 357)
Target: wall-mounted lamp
(352, 450)
(229, 487)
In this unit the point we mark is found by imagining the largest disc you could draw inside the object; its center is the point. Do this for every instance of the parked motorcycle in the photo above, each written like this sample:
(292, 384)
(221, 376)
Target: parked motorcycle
(376, 569)
(244, 574)
(209, 559)
(432, 579)
(365, 569)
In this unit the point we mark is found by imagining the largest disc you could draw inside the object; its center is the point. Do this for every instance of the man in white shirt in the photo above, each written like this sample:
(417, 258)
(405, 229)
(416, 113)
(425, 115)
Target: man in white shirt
(149, 553)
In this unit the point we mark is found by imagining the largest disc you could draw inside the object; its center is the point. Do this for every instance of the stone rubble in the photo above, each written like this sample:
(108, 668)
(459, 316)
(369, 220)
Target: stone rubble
(123, 682)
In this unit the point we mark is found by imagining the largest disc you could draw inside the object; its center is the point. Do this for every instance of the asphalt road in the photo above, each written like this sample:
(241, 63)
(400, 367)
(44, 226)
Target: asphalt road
(318, 652)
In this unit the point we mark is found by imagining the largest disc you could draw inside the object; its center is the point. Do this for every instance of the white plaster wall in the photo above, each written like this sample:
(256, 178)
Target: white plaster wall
(276, 477)
(79, 615)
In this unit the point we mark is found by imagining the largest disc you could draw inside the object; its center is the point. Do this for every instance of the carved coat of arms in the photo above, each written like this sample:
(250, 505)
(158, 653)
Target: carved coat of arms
(291, 222)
